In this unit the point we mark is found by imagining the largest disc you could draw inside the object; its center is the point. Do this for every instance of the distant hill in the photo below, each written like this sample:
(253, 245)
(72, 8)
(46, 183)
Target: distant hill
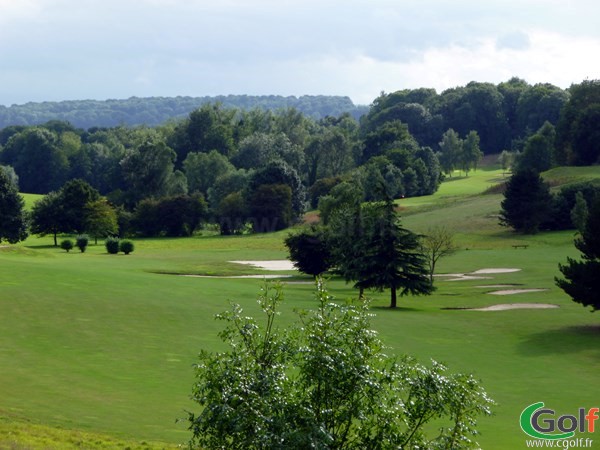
(153, 111)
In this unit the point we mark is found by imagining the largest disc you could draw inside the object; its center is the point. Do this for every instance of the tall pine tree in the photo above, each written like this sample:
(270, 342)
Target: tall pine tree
(527, 202)
(392, 255)
(13, 224)
(582, 278)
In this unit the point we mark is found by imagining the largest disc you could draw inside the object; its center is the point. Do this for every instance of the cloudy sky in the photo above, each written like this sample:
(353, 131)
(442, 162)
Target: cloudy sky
(100, 49)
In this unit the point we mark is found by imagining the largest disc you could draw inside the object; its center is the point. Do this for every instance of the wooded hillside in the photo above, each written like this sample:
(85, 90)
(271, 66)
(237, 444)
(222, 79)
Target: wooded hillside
(153, 111)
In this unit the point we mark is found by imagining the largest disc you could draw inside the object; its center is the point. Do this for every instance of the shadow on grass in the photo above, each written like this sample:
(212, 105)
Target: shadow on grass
(562, 340)
(396, 309)
(40, 247)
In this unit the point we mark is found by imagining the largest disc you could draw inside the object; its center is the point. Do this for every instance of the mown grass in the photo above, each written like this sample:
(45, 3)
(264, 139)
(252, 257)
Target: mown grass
(104, 345)
(30, 199)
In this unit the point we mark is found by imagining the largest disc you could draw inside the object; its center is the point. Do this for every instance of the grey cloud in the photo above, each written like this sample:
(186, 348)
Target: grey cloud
(70, 46)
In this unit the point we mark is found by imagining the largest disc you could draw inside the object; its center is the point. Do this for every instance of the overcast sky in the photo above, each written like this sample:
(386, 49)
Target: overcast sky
(100, 49)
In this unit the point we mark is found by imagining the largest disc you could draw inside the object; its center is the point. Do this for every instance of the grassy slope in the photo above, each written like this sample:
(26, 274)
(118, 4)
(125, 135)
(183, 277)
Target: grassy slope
(104, 344)
(30, 199)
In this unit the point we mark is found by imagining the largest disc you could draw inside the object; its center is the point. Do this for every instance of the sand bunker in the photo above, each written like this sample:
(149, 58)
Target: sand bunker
(507, 306)
(468, 278)
(282, 264)
(476, 275)
(516, 291)
(484, 271)
(260, 277)
(494, 286)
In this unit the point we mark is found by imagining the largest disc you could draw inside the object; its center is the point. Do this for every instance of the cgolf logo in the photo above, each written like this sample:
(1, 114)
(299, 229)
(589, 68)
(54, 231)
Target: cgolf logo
(542, 423)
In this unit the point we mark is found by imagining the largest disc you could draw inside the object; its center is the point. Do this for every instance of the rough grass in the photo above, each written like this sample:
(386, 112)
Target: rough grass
(569, 175)
(104, 345)
(23, 435)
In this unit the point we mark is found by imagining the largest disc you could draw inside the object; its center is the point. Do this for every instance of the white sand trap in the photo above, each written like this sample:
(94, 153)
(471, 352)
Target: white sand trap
(282, 264)
(260, 277)
(462, 277)
(516, 291)
(500, 270)
(476, 275)
(507, 306)
(494, 286)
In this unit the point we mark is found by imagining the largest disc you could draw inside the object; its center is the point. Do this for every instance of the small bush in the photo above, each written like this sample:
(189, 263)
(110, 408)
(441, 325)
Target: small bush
(82, 242)
(112, 245)
(126, 247)
(67, 245)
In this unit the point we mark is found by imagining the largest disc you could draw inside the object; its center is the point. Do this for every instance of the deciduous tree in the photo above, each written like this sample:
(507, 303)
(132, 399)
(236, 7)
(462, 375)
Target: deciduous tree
(278, 172)
(325, 382)
(450, 150)
(100, 219)
(471, 154)
(578, 138)
(309, 251)
(75, 195)
(203, 169)
(148, 169)
(437, 242)
(271, 207)
(47, 216)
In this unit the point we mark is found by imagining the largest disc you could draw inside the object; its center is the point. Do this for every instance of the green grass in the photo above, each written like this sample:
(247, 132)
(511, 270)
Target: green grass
(30, 199)
(456, 188)
(568, 175)
(24, 435)
(97, 350)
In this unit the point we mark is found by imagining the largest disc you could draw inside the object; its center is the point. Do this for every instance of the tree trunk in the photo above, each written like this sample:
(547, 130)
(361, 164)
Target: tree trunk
(55, 242)
(432, 267)
(361, 293)
(393, 302)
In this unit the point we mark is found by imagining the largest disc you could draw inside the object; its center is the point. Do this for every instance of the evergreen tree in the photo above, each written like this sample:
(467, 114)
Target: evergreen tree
(343, 239)
(579, 213)
(13, 224)
(392, 257)
(582, 278)
(527, 202)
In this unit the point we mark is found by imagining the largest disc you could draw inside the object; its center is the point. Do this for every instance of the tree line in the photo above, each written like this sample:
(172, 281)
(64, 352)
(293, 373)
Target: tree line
(153, 111)
(258, 169)
(254, 169)
(529, 206)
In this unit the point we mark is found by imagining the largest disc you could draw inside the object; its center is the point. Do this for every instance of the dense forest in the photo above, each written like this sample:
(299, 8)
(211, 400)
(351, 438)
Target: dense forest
(154, 111)
(261, 169)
